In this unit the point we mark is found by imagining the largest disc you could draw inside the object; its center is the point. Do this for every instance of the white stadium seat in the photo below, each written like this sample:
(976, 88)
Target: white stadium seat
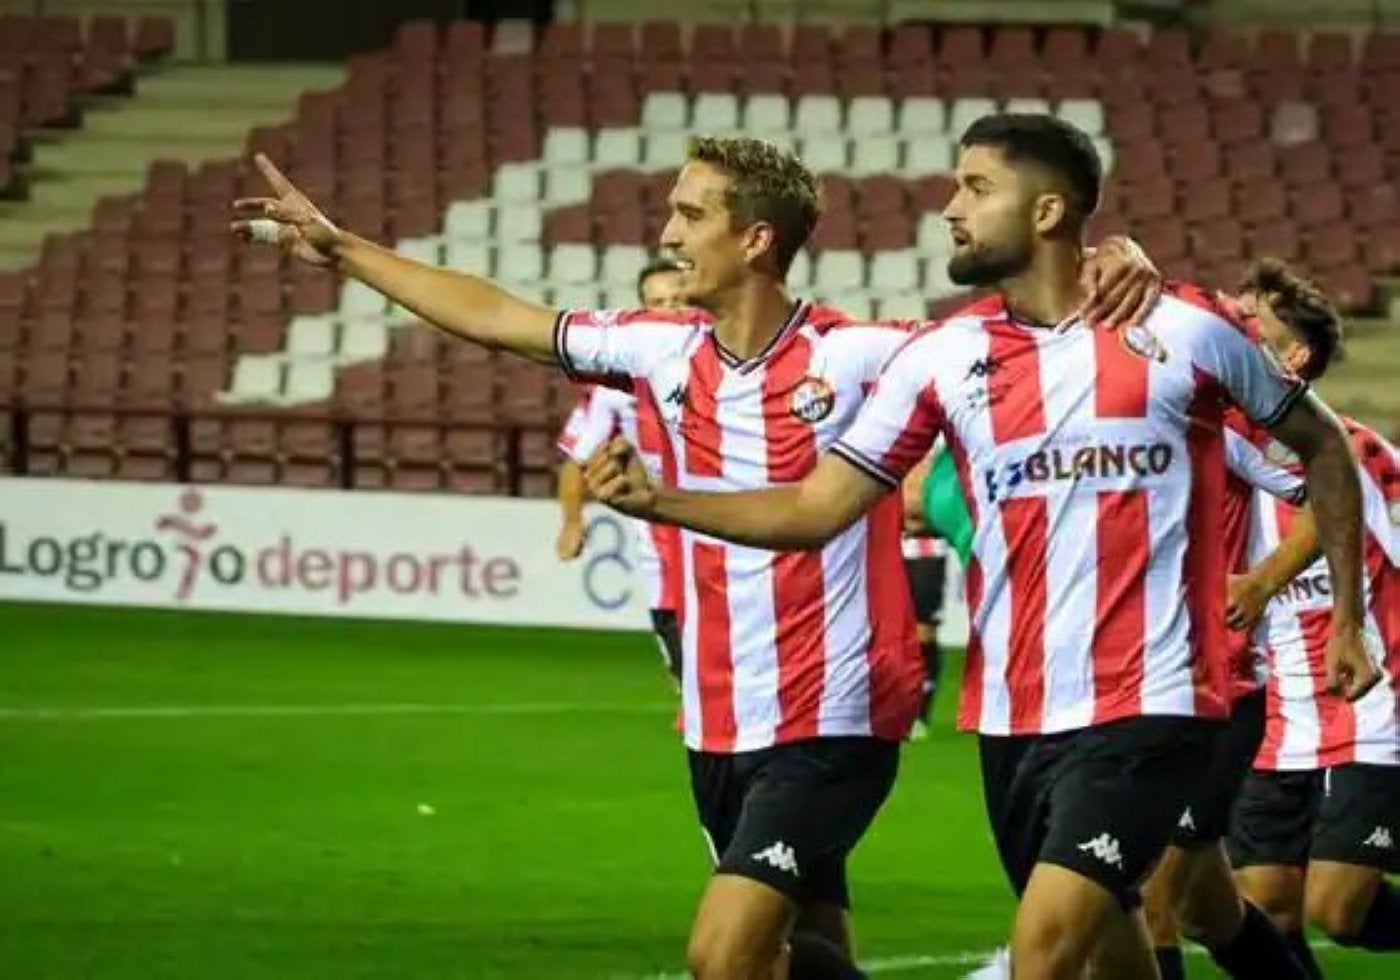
(839, 270)
(966, 112)
(469, 221)
(869, 115)
(567, 144)
(874, 155)
(665, 110)
(572, 264)
(817, 114)
(715, 112)
(473, 257)
(1087, 114)
(922, 114)
(617, 148)
(767, 113)
(894, 272)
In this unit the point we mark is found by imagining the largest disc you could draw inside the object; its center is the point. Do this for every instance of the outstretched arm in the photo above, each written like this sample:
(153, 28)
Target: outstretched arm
(797, 517)
(464, 305)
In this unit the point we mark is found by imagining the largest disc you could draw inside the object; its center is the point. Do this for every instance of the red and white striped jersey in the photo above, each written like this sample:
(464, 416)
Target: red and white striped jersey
(1248, 448)
(778, 646)
(1307, 727)
(1094, 466)
(599, 415)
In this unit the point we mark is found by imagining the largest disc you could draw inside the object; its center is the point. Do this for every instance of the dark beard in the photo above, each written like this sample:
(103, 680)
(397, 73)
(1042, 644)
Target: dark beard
(987, 266)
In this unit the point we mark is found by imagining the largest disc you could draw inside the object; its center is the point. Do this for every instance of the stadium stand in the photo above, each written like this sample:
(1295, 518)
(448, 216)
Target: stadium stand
(544, 160)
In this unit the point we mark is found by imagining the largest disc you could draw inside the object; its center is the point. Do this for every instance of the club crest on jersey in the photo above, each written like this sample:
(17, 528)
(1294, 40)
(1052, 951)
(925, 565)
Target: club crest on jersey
(1144, 343)
(812, 400)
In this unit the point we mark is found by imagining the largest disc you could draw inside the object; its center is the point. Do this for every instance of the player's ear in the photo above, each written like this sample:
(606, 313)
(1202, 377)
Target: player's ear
(758, 239)
(1049, 212)
(1297, 358)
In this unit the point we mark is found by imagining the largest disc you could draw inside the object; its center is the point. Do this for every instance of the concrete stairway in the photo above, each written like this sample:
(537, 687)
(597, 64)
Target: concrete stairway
(185, 112)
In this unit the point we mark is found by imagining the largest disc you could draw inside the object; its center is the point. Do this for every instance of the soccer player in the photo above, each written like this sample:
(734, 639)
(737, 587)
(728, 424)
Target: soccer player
(1315, 828)
(601, 414)
(1193, 884)
(801, 670)
(1096, 668)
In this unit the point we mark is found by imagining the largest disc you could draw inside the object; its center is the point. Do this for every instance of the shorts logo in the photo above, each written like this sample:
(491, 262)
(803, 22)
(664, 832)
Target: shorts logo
(812, 400)
(1104, 847)
(780, 856)
(1380, 838)
(1187, 822)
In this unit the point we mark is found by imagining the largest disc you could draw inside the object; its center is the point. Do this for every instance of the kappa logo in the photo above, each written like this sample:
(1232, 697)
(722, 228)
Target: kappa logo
(812, 400)
(1105, 847)
(983, 367)
(779, 855)
(1381, 839)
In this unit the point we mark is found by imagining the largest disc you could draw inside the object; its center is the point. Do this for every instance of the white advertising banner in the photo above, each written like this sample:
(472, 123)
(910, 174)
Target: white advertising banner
(321, 552)
(311, 552)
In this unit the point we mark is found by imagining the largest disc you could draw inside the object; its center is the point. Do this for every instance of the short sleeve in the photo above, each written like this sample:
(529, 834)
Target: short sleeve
(900, 420)
(1251, 378)
(1252, 465)
(613, 347)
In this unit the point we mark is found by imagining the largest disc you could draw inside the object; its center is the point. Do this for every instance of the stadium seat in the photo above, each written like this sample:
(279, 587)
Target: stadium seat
(838, 270)
(817, 115)
(922, 114)
(767, 113)
(716, 112)
(874, 155)
(617, 148)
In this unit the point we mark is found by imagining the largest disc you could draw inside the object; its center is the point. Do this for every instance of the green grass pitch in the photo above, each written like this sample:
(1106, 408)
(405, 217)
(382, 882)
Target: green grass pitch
(186, 795)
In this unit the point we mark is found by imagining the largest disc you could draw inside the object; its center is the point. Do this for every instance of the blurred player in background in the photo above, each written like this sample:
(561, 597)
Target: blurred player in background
(926, 567)
(1193, 888)
(1317, 824)
(601, 414)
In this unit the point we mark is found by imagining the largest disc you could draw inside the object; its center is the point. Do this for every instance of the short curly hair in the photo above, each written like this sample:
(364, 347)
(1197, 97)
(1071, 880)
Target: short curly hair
(1303, 306)
(765, 184)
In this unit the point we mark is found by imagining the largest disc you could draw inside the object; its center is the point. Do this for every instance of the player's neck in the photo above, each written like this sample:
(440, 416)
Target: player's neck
(1049, 290)
(751, 317)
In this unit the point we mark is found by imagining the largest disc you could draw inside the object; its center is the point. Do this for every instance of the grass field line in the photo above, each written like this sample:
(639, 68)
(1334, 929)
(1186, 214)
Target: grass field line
(117, 712)
(888, 964)
(904, 964)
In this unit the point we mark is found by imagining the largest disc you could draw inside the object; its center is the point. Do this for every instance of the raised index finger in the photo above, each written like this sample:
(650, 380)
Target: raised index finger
(275, 178)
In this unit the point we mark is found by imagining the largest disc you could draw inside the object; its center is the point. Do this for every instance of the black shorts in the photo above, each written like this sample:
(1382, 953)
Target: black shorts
(1358, 817)
(1207, 817)
(1349, 814)
(789, 815)
(668, 635)
(926, 586)
(1273, 820)
(1101, 801)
